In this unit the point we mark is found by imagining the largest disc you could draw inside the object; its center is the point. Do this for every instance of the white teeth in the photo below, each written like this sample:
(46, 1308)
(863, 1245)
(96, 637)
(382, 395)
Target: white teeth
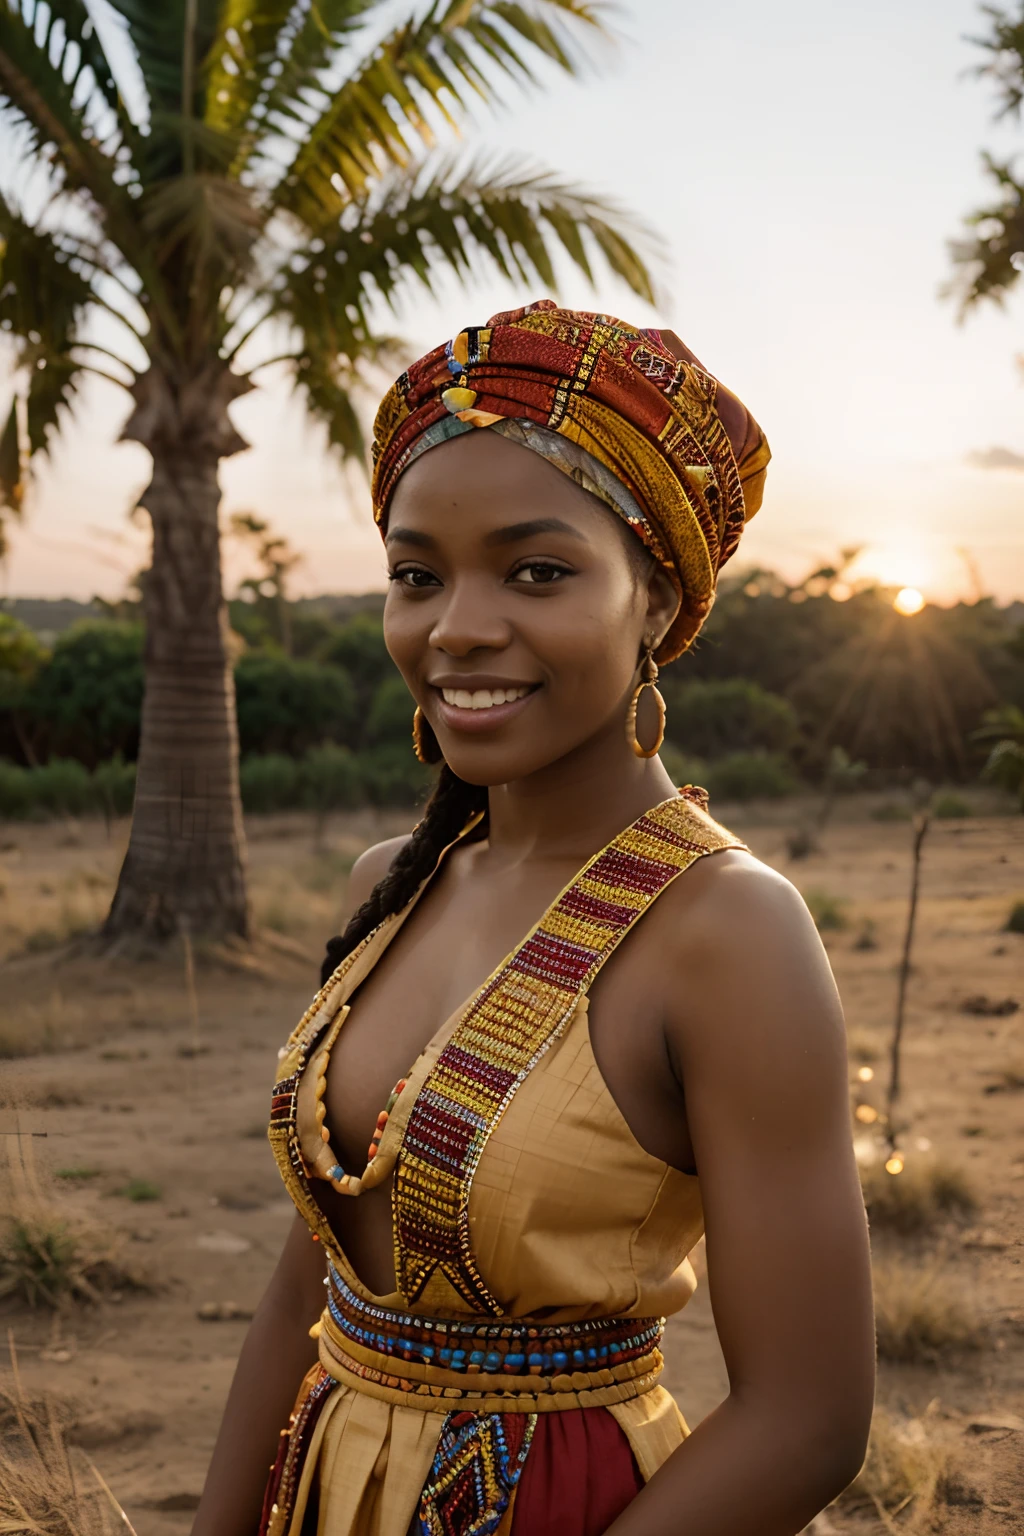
(482, 698)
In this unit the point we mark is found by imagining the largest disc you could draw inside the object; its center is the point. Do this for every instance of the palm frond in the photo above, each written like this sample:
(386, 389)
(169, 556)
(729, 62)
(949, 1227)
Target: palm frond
(204, 225)
(75, 47)
(991, 258)
(452, 53)
(44, 297)
(13, 467)
(171, 40)
(35, 89)
(450, 219)
(265, 52)
(1005, 62)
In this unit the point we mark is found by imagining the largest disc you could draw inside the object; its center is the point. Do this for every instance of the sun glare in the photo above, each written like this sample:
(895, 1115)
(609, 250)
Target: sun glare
(908, 600)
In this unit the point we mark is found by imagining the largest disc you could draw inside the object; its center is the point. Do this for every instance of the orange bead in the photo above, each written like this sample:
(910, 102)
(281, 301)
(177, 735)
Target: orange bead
(382, 1119)
(373, 1151)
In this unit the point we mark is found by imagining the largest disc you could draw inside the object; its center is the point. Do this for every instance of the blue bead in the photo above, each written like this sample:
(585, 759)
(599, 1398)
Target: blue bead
(578, 1357)
(493, 1361)
(536, 1360)
(445, 1355)
(427, 1351)
(560, 1358)
(616, 1349)
(592, 1356)
(514, 1362)
(477, 1357)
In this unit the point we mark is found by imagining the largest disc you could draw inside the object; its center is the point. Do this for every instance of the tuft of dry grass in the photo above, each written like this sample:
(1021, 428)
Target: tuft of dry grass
(904, 1475)
(47, 1261)
(48, 1488)
(920, 1318)
(828, 911)
(919, 1199)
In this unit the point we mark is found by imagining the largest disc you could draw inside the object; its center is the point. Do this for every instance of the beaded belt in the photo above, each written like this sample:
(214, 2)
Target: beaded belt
(445, 1364)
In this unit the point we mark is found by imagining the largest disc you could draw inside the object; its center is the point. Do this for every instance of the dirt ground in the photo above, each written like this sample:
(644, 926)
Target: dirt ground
(154, 1099)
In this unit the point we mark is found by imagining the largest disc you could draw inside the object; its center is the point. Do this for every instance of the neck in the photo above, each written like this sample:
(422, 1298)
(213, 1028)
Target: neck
(572, 808)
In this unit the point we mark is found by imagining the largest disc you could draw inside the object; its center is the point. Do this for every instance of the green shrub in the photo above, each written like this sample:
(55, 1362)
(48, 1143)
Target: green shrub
(1015, 919)
(891, 810)
(829, 912)
(950, 807)
(16, 799)
(114, 786)
(390, 717)
(713, 719)
(88, 696)
(270, 781)
(392, 775)
(330, 779)
(681, 768)
(290, 706)
(358, 648)
(63, 787)
(750, 776)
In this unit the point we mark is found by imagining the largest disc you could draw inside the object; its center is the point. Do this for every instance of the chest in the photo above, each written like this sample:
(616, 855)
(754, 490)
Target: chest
(462, 929)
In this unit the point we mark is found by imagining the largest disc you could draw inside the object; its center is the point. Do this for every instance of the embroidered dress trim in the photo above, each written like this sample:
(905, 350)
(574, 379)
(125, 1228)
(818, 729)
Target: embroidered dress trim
(520, 1011)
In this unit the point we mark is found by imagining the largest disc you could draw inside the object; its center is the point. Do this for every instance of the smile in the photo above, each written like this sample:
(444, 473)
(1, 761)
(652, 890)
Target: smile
(482, 698)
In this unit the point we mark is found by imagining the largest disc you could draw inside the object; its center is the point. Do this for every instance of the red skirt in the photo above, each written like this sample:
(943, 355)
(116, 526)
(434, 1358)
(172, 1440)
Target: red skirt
(578, 1477)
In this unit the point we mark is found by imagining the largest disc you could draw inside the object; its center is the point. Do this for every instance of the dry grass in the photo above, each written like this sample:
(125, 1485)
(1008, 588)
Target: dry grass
(48, 1488)
(921, 1317)
(50, 1262)
(916, 1201)
(904, 1475)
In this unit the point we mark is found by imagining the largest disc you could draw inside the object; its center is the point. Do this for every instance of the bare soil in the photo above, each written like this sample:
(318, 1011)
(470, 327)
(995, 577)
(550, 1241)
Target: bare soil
(118, 1070)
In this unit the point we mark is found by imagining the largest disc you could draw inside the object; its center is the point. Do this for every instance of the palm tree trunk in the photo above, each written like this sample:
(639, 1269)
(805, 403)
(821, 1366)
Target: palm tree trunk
(184, 871)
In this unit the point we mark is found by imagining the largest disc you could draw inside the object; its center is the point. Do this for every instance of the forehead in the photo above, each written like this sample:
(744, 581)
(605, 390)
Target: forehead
(485, 477)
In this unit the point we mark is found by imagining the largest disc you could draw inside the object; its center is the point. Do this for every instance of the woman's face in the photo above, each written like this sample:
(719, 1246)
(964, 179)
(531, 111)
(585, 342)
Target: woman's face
(517, 607)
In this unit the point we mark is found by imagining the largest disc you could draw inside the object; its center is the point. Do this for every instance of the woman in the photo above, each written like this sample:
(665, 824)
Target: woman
(557, 492)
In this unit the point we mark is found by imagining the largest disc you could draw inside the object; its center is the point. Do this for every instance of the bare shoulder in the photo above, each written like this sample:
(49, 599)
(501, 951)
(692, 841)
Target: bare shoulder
(730, 900)
(737, 946)
(372, 866)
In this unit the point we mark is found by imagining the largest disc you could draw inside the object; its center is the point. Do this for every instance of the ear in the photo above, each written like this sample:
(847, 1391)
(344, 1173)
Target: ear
(663, 603)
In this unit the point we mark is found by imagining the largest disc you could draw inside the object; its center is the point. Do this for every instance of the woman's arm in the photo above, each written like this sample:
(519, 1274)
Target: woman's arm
(757, 1041)
(277, 1353)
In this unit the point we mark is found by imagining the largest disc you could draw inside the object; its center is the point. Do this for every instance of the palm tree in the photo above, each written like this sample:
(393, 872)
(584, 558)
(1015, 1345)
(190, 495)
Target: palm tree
(990, 257)
(263, 168)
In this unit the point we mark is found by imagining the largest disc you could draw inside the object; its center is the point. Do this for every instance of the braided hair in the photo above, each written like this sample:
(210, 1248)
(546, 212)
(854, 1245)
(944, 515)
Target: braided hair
(448, 809)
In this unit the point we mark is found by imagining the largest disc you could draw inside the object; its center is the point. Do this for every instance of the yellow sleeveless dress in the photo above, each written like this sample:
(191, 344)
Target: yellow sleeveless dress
(538, 1247)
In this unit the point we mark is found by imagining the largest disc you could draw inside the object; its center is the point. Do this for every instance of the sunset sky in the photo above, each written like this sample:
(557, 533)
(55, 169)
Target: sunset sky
(805, 164)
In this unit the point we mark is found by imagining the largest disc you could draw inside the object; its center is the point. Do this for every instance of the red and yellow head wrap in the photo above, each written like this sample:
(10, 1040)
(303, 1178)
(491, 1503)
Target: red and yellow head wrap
(652, 434)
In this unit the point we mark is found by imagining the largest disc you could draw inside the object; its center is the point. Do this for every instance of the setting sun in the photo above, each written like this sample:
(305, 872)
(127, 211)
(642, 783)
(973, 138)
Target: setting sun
(908, 600)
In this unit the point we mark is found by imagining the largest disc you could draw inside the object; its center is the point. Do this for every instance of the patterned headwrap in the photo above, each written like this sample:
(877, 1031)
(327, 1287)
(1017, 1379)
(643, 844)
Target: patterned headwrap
(653, 435)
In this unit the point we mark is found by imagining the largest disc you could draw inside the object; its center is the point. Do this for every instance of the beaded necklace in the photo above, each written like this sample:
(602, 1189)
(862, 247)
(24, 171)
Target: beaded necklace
(374, 1172)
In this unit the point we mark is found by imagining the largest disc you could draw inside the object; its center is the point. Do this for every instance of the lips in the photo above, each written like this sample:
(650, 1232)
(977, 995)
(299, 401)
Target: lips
(487, 704)
(482, 698)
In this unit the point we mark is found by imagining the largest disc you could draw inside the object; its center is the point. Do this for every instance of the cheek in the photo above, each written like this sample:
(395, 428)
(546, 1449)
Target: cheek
(586, 640)
(406, 632)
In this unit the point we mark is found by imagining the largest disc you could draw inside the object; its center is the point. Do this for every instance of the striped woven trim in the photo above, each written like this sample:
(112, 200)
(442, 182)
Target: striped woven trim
(513, 1020)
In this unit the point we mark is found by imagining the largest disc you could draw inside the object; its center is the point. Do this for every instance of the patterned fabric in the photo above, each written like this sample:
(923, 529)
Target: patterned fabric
(478, 1462)
(654, 422)
(291, 1455)
(520, 1011)
(519, 1366)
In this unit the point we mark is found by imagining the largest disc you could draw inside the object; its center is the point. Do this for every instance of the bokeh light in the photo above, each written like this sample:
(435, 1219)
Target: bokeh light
(908, 600)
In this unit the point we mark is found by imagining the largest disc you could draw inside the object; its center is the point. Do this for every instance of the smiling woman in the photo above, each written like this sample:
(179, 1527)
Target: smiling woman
(535, 1071)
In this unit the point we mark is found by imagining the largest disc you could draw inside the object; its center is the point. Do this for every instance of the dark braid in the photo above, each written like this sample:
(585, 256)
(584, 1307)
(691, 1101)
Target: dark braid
(448, 809)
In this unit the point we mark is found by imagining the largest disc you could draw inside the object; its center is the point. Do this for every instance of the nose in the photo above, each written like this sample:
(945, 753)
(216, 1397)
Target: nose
(470, 620)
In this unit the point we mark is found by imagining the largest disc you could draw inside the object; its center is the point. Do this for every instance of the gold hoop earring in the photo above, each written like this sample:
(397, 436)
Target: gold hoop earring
(648, 679)
(424, 742)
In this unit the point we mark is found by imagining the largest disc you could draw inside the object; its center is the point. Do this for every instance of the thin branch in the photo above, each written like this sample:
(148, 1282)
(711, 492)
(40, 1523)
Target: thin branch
(920, 832)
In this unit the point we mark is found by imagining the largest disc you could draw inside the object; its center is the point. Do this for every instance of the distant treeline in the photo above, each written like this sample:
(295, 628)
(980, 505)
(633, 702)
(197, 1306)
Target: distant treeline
(781, 678)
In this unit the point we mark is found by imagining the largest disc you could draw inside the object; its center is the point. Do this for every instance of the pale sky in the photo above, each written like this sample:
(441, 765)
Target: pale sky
(805, 162)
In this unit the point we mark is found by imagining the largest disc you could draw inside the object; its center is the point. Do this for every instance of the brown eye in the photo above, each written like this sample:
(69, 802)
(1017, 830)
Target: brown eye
(539, 573)
(414, 577)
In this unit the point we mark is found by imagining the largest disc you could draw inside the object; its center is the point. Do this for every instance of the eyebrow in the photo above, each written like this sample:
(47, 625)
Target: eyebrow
(514, 533)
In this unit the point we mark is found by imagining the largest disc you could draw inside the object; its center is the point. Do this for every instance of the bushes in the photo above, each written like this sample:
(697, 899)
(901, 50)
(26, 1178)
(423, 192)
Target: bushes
(290, 706)
(63, 787)
(715, 719)
(750, 776)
